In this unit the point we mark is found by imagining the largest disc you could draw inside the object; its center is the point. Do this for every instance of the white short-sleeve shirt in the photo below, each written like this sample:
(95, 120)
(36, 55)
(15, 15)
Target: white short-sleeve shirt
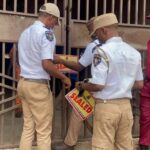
(87, 57)
(119, 75)
(35, 44)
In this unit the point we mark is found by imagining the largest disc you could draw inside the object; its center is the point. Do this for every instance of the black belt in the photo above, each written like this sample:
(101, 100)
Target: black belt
(120, 100)
(44, 81)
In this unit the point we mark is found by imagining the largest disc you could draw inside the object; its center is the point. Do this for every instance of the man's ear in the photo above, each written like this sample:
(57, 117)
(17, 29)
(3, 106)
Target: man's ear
(104, 30)
(50, 17)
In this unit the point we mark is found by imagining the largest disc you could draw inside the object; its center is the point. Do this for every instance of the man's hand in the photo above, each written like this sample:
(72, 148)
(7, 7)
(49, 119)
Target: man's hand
(78, 85)
(67, 82)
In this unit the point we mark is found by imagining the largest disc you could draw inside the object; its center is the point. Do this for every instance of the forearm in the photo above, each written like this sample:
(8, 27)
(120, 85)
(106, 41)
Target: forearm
(138, 84)
(73, 65)
(50, 68)
(92, 87)
(55, 73)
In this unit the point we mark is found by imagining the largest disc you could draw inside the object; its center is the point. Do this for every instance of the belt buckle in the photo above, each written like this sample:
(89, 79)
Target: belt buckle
(105, 101)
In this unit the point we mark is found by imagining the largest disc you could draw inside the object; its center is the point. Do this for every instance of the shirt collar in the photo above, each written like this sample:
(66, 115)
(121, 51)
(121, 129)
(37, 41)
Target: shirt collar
(43, 25)
(39, 23)
(114, 39)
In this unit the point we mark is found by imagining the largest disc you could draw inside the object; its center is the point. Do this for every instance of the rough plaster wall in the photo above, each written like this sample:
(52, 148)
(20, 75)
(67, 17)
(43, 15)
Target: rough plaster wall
(135, 36)
(11, 26)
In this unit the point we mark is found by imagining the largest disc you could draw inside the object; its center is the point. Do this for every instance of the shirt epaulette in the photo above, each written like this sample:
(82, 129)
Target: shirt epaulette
(46, 27)
(96, 45)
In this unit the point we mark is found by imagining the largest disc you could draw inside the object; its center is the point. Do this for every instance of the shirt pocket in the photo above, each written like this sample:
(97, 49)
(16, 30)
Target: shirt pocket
(129, 119)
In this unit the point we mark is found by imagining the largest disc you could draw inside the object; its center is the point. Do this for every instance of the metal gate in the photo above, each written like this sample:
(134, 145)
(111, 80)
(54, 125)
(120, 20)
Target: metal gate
(72, 37)
(15, 16)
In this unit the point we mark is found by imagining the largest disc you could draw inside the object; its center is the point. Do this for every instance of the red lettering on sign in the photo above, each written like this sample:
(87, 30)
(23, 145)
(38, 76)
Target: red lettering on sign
(82, 104)
(89, 110)
(75, 98)
(79, 101)
(86, 106)
(73, 95)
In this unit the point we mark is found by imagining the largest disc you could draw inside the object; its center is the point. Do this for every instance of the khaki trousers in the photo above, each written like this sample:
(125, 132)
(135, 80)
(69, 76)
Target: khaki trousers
(113, 122)
(73, 130)
(37, 106)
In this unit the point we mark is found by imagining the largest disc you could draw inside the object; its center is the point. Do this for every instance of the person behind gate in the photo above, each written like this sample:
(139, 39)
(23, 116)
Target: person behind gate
(85, 60)
(18, 111)
(144, 138)
(116, 69)
(36, 47)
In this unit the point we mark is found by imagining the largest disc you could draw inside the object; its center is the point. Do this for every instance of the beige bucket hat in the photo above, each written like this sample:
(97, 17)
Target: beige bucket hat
(51, 9)
(104, 20)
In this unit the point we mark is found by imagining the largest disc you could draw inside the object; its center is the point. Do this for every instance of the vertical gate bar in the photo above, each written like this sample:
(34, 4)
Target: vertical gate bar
(55, 1)
(143, 63)
(68, 24)
(15, 6)
(67, 21)
(54, 99)
(87, 9)
(65, 30)
(104, 6)
(121, 9)
(144, 12)
(136, 11)
(113, 6)
(4, 5)
(144, 58)
(64, 26)
(25, 6)
(129, 12)
(45, 1)
(36, 7)
(96, 7)
(62, 101)
(68, 44)
(13, 131)
(3, 90)
(78, 13)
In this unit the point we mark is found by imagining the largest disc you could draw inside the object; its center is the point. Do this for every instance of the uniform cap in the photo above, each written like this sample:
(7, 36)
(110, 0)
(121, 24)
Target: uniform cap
(51, 9)
(90, 21)
(104, 20)
(89, 25)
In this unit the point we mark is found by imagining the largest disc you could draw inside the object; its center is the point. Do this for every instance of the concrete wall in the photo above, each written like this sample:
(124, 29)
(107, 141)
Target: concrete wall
(136, 36)
(11, 26)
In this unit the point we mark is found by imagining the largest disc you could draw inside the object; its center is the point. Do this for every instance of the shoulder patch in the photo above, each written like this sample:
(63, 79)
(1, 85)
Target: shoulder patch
(49, 35)
(97, 59)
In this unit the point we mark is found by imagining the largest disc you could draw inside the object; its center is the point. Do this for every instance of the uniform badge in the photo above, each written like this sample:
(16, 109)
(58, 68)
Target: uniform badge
(49, 35)
(97, 59)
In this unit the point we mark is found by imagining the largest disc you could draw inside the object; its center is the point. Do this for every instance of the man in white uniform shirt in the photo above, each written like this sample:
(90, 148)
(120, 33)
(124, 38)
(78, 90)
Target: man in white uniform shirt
(116, 69)
(36, 47)
(85, 60)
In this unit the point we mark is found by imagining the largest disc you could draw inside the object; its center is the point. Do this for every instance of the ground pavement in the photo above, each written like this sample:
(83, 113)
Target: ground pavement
(83, 146)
